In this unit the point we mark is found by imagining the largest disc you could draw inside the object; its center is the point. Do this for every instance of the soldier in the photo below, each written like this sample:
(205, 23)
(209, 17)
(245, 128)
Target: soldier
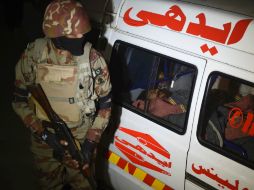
(76, 81)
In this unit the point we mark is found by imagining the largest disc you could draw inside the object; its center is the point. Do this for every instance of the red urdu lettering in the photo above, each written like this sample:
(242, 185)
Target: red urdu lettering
(238, 31)
(127, 19)
(208, 32)
(198, 170)
(173, 19)
(146, 140)
(137, 159)
(153, 18)
(121, 140)
(177, 21)
(140, 149)
(154, 147)
(209, 173)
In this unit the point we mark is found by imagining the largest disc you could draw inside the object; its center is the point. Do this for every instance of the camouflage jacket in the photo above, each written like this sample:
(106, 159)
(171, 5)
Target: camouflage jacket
(25, 71)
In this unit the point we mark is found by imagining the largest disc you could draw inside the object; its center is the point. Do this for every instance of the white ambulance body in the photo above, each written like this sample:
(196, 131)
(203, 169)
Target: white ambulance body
(202, 58)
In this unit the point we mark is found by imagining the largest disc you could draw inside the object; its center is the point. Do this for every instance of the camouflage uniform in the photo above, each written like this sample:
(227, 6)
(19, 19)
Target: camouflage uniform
(52, 173)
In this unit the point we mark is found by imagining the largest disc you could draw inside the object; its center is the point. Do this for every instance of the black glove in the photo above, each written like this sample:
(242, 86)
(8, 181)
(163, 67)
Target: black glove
(52, 140)
(87, 149)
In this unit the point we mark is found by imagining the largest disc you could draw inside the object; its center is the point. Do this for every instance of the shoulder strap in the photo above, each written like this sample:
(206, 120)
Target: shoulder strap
(84, 59)
(39, 49)
(85, 72)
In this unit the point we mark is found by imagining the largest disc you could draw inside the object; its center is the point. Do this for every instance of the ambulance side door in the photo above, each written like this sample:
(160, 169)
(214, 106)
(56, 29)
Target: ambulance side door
(148, 150)
(221, 153)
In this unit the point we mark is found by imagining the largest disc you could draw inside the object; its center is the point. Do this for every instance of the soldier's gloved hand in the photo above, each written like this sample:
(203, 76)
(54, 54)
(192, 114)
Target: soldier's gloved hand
(69, 161)
(88, 147)
(52, 140)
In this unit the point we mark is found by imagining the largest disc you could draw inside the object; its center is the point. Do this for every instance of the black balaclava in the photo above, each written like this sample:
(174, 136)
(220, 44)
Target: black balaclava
(74, 45)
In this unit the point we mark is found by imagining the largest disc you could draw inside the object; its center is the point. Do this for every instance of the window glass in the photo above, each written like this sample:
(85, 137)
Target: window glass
(151, 84)
(227, 116)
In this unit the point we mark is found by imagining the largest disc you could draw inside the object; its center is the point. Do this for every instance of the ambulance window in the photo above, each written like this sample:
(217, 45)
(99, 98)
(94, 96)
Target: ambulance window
(153, 85)
(227, 117)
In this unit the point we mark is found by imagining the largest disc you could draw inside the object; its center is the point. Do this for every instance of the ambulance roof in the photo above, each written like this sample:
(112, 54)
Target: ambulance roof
(202, 27)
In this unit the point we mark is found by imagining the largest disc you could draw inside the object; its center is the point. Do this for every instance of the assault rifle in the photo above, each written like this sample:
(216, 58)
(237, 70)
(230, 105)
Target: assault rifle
(62, 131)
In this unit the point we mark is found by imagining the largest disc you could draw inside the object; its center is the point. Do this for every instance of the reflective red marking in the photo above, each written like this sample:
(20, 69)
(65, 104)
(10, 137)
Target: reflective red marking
(122, 163)
(138, 159)
(147, 140)
(131, 168)
(149, 180)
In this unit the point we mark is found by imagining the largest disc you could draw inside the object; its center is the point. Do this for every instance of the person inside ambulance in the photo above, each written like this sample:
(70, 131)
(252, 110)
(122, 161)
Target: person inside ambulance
(76, 81)
(226, 131)
(234, 129)
(170, 99)
(158, 99)
(222, 129)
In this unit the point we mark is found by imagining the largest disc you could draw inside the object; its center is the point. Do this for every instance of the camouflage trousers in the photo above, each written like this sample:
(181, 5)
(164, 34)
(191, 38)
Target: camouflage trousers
(52, 174)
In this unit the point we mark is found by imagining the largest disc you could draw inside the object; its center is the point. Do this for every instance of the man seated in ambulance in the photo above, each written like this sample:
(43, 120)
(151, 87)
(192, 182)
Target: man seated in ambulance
(227, 120)
(159, 99)
(236, 129)
(169, 103)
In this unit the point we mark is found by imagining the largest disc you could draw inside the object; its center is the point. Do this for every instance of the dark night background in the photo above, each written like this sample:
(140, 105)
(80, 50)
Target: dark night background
(20, 24)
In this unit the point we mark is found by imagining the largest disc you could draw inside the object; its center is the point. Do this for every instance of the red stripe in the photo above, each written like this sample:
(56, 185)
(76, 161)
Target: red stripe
(122, 163)
(167, 188)
(149, 180)
(131, 168)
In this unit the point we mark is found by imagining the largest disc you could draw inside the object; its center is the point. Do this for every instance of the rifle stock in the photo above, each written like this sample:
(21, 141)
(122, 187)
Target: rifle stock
(61, 130)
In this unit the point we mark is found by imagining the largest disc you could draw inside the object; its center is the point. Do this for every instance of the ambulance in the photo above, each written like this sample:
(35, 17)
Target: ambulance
(183, 93)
